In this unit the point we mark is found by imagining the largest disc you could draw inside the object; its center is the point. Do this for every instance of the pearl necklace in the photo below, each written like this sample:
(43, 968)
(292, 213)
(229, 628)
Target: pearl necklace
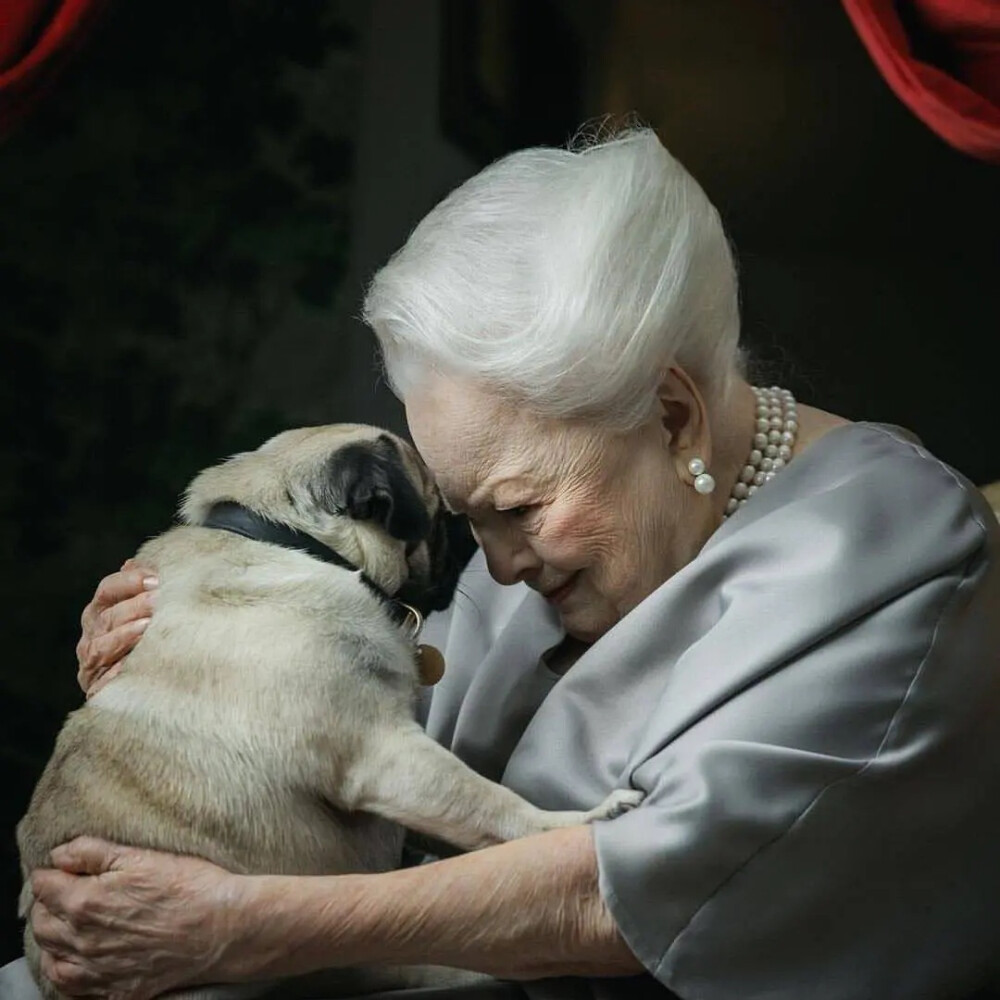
(773, 441)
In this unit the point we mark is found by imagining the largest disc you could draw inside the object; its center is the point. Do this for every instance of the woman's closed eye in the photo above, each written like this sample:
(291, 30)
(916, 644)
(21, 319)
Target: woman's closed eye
(522, 510)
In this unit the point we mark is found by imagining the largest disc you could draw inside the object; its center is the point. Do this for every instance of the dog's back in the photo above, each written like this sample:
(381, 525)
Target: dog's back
(223, 734)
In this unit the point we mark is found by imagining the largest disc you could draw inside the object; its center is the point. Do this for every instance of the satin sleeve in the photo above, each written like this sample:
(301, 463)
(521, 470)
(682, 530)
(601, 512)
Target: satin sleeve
(820, 819)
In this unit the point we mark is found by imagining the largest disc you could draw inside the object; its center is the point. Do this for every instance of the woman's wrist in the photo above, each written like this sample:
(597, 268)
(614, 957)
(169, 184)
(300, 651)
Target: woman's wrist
(270, 926)
(250, 924)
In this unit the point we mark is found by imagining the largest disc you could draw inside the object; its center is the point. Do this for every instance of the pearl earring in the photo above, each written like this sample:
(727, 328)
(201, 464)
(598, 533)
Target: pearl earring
(704, 482)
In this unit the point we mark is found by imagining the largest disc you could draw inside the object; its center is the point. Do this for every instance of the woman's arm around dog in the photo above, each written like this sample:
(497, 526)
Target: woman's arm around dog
(146, 922)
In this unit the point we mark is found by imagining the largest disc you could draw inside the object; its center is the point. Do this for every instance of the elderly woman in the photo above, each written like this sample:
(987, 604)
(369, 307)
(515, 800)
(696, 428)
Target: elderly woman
(780, 625)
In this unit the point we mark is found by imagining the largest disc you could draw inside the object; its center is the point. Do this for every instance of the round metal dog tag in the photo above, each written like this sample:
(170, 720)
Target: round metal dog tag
(430, 663)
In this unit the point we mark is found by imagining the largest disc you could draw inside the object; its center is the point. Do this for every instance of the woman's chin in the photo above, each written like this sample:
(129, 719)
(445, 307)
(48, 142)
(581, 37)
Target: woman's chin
(585, 623)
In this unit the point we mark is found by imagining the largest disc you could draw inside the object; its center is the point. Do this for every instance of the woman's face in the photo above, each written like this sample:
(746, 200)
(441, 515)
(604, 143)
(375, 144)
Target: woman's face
(593, 520)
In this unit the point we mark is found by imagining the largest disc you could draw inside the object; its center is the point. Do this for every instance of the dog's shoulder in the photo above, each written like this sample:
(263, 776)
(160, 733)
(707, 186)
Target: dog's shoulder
(256, 604)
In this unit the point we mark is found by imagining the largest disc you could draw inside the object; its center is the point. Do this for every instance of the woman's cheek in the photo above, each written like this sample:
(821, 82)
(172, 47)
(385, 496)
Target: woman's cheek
(570, 535)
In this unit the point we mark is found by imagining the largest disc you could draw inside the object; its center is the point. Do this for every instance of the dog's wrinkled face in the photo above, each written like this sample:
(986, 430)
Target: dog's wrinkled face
(362, 491)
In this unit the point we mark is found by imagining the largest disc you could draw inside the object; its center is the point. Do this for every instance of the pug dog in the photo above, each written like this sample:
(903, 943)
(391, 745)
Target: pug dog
(266, 720)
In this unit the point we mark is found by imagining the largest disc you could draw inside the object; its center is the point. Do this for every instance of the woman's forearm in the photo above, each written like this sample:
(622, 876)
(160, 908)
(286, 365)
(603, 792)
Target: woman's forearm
(522, 910)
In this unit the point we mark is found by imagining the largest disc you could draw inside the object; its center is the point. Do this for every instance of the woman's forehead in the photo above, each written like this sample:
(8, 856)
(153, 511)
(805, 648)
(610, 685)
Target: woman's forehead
(477, 442)
(469, 467)
(443, 413)
(469, 437)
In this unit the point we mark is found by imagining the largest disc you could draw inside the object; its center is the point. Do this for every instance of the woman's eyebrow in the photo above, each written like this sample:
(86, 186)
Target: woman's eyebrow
(455, 501)
(484, 495)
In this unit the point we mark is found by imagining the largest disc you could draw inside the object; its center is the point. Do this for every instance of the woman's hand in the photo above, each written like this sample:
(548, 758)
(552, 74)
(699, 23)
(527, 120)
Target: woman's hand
(126, 923)
(113, 623)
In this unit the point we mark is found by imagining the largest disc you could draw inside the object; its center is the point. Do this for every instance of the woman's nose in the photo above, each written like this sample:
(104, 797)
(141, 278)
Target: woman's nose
(508, 558)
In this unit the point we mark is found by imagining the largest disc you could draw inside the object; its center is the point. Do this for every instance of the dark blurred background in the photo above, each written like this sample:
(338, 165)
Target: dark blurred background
(188, 221)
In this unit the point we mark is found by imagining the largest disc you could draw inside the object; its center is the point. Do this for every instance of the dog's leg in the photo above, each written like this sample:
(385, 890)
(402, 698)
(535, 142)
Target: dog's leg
(406, 777)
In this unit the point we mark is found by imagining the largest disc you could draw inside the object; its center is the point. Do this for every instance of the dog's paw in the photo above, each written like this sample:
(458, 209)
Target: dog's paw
(621, 800)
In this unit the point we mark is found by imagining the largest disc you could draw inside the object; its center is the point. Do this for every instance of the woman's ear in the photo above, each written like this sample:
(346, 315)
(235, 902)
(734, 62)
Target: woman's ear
(684, 418)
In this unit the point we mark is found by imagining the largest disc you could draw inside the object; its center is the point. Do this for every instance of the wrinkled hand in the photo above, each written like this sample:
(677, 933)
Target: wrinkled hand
(113, 622)
(129, 924)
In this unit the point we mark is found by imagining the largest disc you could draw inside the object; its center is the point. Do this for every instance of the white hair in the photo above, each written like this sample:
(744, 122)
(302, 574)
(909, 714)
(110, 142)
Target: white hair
(568, 280)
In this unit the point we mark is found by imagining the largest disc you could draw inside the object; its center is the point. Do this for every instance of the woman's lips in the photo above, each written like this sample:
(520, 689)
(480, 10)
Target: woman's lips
(561, 592)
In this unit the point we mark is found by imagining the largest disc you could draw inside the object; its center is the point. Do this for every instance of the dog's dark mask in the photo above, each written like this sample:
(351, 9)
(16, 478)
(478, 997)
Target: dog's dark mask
(370, 482)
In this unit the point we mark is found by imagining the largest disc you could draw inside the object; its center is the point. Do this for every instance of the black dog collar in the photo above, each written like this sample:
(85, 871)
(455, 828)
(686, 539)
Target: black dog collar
(240, 520)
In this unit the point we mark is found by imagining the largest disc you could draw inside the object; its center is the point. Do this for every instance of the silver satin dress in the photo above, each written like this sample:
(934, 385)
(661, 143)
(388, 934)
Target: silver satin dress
(812, 707)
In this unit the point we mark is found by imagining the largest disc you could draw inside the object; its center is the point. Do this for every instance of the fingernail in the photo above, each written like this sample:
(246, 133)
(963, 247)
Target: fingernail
(150, 582)
(141, 623)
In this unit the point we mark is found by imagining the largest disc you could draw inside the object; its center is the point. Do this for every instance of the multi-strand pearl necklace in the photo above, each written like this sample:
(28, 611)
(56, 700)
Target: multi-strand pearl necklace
(773, 441)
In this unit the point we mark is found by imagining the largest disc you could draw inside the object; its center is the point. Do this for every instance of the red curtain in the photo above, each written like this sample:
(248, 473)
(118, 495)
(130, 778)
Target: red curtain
(942, 59)
(36, 37)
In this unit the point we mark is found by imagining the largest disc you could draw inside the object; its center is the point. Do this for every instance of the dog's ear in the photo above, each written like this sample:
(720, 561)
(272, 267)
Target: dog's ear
(368, 482)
